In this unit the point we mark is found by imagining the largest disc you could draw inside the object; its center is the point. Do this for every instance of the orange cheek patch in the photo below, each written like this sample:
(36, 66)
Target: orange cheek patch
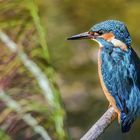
(108, 36)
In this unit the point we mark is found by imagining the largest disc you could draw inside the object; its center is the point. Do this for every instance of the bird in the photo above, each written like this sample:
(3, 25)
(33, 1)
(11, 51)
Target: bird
(118, 69)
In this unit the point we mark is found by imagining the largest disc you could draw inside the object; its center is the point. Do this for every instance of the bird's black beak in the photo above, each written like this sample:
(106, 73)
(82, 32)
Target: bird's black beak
(86, 35)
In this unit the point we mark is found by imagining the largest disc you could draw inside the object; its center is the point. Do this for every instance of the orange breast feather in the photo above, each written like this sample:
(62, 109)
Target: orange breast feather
(107, 94)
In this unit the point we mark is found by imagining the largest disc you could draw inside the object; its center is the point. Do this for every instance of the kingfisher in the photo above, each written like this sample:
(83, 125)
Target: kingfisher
(118, 69)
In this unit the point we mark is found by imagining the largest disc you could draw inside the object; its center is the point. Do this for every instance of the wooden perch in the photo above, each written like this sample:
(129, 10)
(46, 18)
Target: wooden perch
(99, 127)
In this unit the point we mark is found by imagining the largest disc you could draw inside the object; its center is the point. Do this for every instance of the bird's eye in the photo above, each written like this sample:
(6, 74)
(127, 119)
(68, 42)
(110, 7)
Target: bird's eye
(96, 33)
(100, 32)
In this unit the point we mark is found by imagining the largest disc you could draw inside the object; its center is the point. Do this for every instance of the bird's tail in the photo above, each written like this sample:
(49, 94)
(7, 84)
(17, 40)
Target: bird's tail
(126, 122)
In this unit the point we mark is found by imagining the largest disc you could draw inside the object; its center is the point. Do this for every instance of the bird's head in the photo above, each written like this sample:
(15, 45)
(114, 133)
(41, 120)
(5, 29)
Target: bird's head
(107, 31)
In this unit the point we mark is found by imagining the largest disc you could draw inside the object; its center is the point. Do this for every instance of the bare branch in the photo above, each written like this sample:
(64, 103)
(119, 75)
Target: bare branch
(99, 127)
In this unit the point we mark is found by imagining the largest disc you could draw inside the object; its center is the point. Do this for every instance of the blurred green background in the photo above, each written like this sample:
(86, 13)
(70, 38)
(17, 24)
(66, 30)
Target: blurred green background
(40, 28)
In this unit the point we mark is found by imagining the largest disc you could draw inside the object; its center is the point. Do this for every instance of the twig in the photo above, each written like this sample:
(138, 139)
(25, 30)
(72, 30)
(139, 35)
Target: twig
(27, 117)
(99, 127)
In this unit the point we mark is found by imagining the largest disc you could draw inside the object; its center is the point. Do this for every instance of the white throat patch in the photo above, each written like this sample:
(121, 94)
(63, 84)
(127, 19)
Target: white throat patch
(115, 42)
(118, 43)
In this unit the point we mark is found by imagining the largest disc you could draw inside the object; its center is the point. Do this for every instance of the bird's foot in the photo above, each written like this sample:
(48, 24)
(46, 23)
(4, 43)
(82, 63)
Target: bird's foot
(109, 105)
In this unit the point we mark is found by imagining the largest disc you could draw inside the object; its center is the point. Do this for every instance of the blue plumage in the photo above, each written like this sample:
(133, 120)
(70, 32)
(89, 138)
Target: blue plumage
(118, 28)
(121, 72)
(119, 69)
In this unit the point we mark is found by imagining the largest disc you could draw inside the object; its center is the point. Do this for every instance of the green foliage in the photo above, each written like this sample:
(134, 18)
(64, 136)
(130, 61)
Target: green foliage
(4, 136)
(32, 6)
(32, 23)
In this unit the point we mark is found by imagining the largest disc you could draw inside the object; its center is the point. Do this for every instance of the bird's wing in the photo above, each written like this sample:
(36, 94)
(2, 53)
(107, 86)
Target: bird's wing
(122, 79)
(119, 86)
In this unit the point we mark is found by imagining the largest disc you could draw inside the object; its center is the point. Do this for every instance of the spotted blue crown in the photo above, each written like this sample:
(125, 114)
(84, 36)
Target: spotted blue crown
(117, 28)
